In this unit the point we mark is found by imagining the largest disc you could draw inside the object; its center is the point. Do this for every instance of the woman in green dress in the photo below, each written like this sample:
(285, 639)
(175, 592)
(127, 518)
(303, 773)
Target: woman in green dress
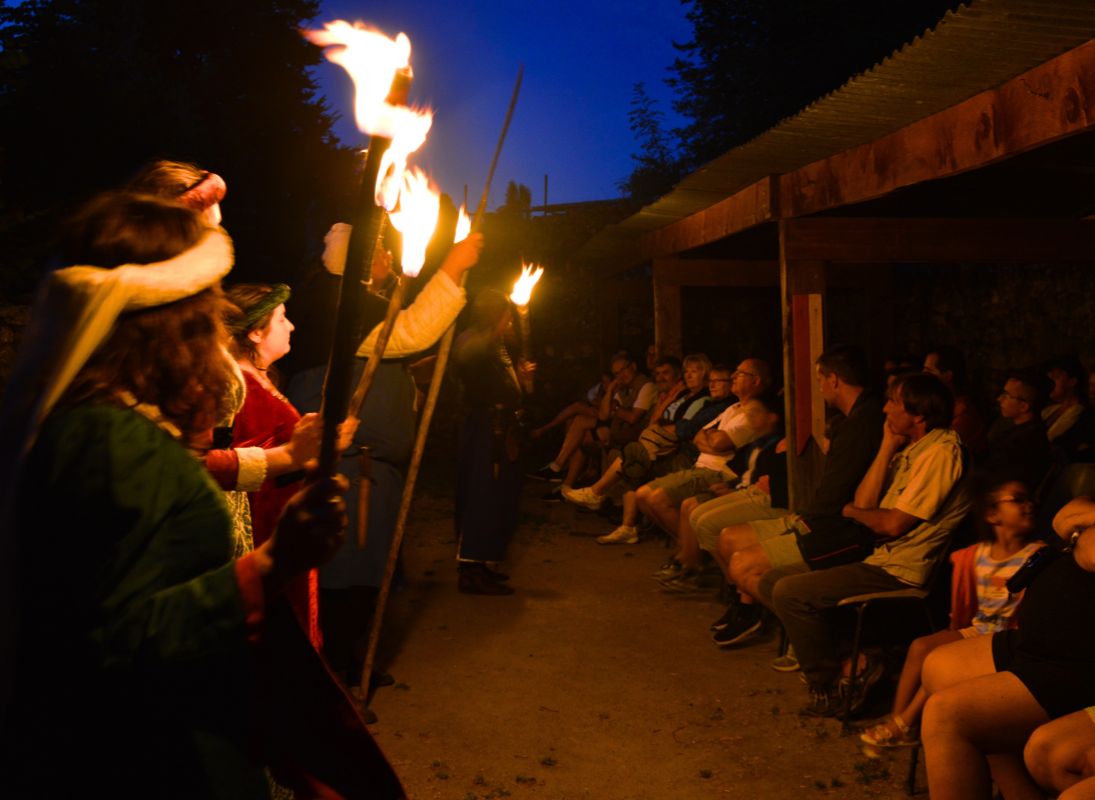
(139, 638)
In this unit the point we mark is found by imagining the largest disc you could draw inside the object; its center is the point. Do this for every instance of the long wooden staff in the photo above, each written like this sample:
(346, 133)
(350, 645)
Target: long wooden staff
(424, 423)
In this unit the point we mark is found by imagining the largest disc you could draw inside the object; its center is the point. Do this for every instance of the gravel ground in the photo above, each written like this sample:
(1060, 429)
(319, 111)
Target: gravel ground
(591, 682)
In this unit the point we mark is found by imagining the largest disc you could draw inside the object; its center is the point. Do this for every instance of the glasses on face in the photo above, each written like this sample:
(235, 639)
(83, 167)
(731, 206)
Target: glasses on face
(738, 372)
(1011, 396)
(1019, 499)
(618, 372)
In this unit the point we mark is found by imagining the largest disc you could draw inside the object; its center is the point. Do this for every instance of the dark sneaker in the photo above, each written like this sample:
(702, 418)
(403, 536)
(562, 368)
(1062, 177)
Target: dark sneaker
(475, 579)
(546, 473)
(746, 624)
(684, 582)
(824, 702)
(871, 673)
(726, 618)
(553, 495)
(670, 569)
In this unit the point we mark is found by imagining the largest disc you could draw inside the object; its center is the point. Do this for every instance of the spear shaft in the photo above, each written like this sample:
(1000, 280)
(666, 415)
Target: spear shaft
(427, 416)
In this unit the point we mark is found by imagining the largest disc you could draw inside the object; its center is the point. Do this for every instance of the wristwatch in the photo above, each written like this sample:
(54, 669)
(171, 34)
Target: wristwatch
(1075, 537)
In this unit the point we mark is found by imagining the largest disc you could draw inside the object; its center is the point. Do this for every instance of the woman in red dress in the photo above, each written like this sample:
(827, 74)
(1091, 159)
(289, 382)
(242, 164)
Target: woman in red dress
(260, 336)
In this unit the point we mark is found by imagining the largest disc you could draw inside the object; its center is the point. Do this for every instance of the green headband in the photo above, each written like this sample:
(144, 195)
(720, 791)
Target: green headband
(278, 294)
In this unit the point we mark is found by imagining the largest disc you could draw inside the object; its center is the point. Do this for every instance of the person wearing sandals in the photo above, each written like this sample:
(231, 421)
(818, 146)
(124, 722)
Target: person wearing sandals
(980, 601)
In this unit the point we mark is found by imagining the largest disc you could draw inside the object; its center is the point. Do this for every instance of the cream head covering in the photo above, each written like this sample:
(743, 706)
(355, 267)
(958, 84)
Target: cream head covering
(74, 314)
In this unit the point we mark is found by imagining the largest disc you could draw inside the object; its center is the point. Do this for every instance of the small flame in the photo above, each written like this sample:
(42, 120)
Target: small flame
(522, 287)
(372, 61)
(416, 218)
(463, 225)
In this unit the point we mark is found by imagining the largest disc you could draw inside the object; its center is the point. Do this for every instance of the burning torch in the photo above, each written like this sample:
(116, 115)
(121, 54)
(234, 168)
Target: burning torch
(520, 297)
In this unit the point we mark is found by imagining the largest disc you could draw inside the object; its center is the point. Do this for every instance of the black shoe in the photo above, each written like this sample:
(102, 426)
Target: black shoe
(727, 617)
(870, 675)
(498, 576)
(546, 473)
(824, 702)
(475, 579)
(746, 624)
(553, 495)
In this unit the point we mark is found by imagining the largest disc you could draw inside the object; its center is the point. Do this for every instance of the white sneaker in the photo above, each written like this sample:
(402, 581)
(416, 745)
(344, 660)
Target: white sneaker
(583, 497)
(625, 534)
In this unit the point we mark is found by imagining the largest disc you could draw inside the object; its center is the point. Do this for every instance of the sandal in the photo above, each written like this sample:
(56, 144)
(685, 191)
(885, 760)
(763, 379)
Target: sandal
(893, 732)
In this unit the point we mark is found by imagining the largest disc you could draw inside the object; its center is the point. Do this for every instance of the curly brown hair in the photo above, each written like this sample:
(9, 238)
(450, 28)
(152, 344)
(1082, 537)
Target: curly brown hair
(171, 356)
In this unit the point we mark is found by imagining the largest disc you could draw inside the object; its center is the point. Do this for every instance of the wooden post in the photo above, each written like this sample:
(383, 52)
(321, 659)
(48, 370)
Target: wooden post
(667, 317)
(802, 286)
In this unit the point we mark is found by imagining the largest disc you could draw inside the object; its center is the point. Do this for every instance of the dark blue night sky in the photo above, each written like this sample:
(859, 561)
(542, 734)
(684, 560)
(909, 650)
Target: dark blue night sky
(581, 60)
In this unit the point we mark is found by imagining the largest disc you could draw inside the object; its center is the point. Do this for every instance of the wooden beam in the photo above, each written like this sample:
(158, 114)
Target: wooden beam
(753, 205)
(877, 240)
(668, 339)
(697, 272)
(802, 286)
(1046, 103)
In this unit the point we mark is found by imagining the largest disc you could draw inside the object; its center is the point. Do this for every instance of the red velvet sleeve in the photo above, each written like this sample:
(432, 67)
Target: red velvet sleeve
(224, 466)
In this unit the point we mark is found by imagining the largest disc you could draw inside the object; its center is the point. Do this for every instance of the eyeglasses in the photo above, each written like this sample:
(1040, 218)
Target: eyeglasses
(738, 372)
(1015, 397)
(1019, 499)
(618, 372)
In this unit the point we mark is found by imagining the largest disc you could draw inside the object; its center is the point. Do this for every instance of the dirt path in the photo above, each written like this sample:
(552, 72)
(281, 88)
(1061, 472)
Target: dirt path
(591, 682)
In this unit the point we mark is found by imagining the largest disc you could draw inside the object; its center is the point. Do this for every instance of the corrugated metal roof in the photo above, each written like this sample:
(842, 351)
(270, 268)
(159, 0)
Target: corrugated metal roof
(978, 47)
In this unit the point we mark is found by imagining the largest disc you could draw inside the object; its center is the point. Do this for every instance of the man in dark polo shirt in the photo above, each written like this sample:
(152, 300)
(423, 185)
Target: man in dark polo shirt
(1017, 440)
(752, 547)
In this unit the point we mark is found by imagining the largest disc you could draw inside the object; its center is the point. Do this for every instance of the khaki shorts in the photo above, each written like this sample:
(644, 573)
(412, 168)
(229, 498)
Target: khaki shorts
(679, 486)
(736, 508)
(777, 539)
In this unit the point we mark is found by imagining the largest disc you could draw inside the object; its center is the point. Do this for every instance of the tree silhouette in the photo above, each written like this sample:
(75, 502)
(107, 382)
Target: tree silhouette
(657, 167)
(92, 90)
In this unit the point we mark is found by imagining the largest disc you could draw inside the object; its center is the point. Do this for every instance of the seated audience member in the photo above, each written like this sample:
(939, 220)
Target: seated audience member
(906, 507)
(949, 365)
(760, 492)
(586, 407)
(626, 401)
(989, 694)
(1069, 419)
(749, 546)
(1017, 440)
(980, 601)
(660, 499)
(1060, 755)
(719, 401)
(659, 438)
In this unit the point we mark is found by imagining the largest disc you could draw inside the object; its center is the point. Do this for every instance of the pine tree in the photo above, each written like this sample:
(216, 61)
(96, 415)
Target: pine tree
(94, 89)
(656, 165)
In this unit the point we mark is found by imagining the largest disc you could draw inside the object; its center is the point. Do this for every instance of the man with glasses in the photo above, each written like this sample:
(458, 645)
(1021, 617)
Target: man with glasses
(717, 442)
(1018, 442)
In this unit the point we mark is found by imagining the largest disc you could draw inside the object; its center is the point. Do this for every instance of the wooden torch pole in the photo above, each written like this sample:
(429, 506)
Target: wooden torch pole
(424, 423)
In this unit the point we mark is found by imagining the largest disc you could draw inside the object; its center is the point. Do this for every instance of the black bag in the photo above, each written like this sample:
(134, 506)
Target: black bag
(833, 540)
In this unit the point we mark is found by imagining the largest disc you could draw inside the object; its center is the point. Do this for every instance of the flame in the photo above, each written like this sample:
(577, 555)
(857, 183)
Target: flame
(416, 218)
(372, 61)
(522, 287)
(463, 225)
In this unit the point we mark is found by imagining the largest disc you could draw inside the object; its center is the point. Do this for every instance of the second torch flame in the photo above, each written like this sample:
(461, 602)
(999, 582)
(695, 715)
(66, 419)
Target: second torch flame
(522, 287)
(416, 219)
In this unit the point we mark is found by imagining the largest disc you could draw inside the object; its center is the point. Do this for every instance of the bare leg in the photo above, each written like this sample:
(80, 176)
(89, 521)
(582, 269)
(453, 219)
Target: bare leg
(1057, 753)
(631, 512)
(575, 409)
(908, 702)
(575, 466)
(577, 429)
(731, 540)
(972, 711)
(688, 546)
(747, 567)
(659, 508)
(608, 480)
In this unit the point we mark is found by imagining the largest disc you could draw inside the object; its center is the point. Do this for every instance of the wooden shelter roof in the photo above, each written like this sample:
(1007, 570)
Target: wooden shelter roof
(992, 80)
